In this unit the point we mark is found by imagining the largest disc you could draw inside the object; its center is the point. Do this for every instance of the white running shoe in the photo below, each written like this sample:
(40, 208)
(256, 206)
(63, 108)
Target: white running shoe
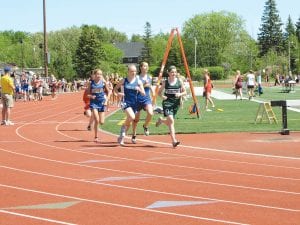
(121, 140)
(123, 131)
(146, 130)
(9, 123)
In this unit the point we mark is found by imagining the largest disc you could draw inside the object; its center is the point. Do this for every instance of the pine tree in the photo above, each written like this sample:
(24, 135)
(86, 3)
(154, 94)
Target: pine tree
(88, 53)
(298, 29)
(147, 50)
(271, 35)
(289, 29)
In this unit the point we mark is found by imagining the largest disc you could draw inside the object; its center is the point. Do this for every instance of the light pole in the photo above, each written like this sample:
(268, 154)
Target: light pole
(289, 44)
(45, 41)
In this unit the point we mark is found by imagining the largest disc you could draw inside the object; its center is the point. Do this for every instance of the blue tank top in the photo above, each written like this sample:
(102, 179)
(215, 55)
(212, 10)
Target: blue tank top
(147, 80)
(145, 99)
(97, 89)
(130, 91)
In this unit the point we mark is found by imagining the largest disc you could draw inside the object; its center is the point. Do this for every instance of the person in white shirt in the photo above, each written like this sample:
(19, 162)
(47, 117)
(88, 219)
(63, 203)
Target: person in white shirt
(250, 84)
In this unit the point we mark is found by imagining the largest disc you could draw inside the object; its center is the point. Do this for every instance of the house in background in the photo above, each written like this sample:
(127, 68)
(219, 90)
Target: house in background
(132, 51)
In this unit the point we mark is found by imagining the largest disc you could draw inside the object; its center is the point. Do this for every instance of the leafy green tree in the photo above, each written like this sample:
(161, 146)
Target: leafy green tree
(36, 43)
(89, 53)
(14, 47)
(213, 32)
(110, 35)
(136, 38)
(159, 44)
(175, 57)
(61, 45)
(271, 35)
(114, 57)
(241, 54)
(217, 38)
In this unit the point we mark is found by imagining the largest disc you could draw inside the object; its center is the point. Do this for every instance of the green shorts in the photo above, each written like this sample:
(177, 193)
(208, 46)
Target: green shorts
(171, 106)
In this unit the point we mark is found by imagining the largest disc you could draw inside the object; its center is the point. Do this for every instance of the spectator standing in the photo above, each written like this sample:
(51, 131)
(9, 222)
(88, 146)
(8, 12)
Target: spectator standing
(40, 88)
(207, 90)
(53, 86)
(7, 92)
(250, 84)
(238, 84)
(277, 82)
(259, 84)
(24, 87)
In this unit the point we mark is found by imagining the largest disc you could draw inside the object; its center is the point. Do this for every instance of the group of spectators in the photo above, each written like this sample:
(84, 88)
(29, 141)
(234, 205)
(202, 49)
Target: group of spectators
(27, 86)
(253, 82)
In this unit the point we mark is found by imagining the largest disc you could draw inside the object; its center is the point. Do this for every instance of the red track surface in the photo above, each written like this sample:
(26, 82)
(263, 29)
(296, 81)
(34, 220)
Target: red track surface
(48, 157)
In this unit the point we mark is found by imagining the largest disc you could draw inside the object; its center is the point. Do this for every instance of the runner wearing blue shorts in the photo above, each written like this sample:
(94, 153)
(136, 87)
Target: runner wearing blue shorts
(130, 87)
(97, 94)
(144, 101)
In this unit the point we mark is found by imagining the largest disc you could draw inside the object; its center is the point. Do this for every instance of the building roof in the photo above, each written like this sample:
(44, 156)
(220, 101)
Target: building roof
(130, 49)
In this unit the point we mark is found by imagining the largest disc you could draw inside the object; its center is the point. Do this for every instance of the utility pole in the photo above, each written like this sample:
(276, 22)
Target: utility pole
(289, 43)
(45, 41)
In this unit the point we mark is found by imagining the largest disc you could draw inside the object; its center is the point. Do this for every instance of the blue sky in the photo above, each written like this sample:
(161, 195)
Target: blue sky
(130, 16)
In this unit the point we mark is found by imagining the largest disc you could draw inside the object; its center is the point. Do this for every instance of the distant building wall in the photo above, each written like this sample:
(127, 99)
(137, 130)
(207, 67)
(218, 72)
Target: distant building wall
(132, 51)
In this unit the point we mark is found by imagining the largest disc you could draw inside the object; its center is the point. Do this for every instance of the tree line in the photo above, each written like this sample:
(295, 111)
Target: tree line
(215, 40)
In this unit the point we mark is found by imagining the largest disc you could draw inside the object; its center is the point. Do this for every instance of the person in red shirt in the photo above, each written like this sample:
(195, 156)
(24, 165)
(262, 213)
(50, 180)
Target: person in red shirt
(207, 90)
(87, 110)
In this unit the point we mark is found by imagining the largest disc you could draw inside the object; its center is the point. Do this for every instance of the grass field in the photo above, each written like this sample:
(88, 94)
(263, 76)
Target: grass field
(236, 115)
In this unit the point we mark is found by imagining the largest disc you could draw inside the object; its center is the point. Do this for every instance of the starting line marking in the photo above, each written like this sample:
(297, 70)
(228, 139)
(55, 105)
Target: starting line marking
(35, 217)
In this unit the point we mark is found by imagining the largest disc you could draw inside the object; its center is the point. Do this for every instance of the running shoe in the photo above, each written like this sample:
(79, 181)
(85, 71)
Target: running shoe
(122, 135)
(133, 139)
(89, 127)
(146, 130)
(175, 144)
(9, 123)
(121, 140)
(123, 131)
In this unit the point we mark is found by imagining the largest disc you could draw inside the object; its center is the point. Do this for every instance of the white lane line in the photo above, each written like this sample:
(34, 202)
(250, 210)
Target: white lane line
(124, 206)
(35, 217)
(48, 108)
(158, 176)
(163, 143)
(40, 143)
(203, 148)
(143, 161)
(228, 151)
(151, 191)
